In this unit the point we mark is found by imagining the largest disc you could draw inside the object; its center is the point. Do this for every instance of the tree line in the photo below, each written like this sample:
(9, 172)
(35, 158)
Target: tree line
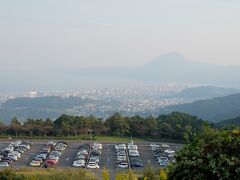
(176, 125)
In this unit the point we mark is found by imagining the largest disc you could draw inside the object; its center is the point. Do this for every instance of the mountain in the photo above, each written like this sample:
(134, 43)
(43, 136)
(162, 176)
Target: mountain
(171, 67)
(214, 110)
(203, 92)
(229, 122)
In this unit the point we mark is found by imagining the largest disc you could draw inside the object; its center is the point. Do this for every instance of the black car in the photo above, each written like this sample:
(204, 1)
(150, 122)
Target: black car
(136, 164)
(27, 143)
(95, 153)
(21, 151)
(44, 152)
(135, 159)
(22, 148)
(62, 142)
(8, 160)
(4, 153)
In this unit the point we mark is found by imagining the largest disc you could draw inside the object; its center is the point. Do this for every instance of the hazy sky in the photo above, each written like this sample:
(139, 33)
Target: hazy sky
(92, 33)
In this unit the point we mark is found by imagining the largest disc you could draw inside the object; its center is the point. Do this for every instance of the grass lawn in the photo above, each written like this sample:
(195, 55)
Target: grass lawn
(94, 138)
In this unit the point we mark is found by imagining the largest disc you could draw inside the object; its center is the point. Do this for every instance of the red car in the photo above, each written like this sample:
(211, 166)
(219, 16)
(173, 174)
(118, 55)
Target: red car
(51, 162)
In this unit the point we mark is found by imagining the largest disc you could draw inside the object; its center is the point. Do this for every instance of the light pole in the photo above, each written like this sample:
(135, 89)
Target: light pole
(90, 131)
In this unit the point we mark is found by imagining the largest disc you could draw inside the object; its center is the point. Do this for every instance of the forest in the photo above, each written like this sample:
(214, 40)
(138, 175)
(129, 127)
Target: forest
(179, 126)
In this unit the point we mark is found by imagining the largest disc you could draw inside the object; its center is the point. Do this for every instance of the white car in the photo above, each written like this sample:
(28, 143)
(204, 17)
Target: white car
(154, 146)
(123, 165)
(35, 163)
(13, 156)
(16, 153)
(97, 145)
(51, 143)
(121, 158)
(169, 151)
(120, 146)
(95, 158)
(121, 153)
(92, 165)
(133, 151)
(134, 154)
(24, 146)
(79, 163)
(132, 147)
(10, 148)
(82, 152)
(165, 146)
(4, 164)
(171, 155)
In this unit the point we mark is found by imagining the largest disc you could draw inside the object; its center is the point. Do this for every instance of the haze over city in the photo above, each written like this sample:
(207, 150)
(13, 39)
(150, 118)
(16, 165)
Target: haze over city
(41, 40)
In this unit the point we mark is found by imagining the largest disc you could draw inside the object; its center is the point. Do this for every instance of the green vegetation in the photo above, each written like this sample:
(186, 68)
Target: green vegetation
(229, 123)
(45, 107)
(46, 174)
(214, 110)
(213, 154)
(176, 126)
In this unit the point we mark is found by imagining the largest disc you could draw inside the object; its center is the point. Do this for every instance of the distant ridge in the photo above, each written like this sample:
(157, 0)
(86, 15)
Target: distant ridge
(44, 107)
(170, 67)
(214, 110)
(204, 92)
(229, 122)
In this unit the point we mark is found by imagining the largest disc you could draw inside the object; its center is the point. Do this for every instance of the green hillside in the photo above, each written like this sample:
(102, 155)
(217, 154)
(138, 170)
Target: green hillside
(214, 110)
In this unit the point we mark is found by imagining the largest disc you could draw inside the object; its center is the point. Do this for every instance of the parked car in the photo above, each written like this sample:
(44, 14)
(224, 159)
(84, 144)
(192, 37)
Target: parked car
(25, 146)
(165, 146)
(4, 164)
(13, 157)
(93, 165)
(95, 159)
(79, 163)
(136, 164)
(169, 151)
(35, 163)
(122, 165)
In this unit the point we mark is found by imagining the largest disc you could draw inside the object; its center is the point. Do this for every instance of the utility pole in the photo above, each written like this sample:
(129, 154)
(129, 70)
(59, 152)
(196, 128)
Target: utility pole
(90, 131)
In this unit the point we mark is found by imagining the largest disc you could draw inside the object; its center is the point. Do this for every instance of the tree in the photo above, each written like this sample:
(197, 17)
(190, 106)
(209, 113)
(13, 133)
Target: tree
(212, 155)
(151, 124)
(118, 125)
(47, 127)
(15, 125)
(2, 128)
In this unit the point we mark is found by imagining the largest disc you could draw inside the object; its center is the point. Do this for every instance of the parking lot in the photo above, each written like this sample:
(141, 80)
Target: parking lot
(108, 157)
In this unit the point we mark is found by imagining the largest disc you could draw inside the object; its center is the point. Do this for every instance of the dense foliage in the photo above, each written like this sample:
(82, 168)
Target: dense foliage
(45, 174)
(176, 125)
(212, 155)
(229, 123)
(214, 110)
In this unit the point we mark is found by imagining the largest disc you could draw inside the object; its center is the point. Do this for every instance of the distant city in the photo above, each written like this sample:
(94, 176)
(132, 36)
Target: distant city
(128, 101)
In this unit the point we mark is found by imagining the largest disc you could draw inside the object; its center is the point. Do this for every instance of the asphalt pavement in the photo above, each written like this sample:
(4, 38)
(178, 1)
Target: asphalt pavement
(108, 158)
